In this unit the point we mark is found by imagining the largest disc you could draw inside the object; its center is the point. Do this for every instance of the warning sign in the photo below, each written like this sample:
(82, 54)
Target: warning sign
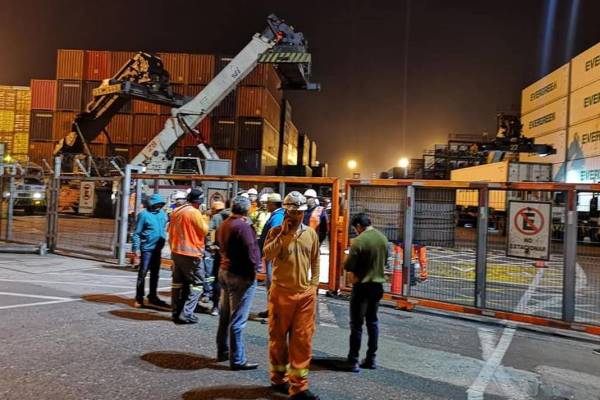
(529, 227)
(86, 198)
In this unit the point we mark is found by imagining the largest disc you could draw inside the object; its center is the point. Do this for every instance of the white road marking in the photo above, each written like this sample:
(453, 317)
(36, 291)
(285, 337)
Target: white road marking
(66, 283)
(33, 295)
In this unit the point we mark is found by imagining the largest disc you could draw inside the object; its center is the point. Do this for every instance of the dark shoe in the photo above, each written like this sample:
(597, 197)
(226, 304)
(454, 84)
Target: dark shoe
(222, 357)
(354, 367)
(368, 364)
(263, 314)
(305, 395)
(283, 388)
(186, 320)
(155, 301)
(244, 367)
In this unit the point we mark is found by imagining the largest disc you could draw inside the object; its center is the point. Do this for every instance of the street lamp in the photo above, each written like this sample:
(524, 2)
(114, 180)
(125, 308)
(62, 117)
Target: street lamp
(352, 164)
(403, 163)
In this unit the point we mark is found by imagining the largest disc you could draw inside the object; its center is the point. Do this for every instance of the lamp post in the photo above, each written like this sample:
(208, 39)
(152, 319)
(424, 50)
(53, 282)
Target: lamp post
(352, 164)
(403, 163)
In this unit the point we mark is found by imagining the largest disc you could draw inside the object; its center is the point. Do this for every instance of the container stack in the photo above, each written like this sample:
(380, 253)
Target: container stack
(15, 103)
(244, 128)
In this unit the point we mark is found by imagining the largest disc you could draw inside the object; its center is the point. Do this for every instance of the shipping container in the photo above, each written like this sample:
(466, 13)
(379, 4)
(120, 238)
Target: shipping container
(178, 89)
(97, 65)
(43, 94)
(134, 150)
(41, 125)
(257, 134)
(255, 162)
(226, 154)
(556, 139)
(23, 99)
(550, 88)
(100, 139)
(264, 75)
(69, 95)
(98, 150)
(221, 62)
(313, 153)
(584, 140)
(8, 98)
(201, 68)
(585, 104)
(69, 64)
(20, 143)
(22, 122)
(117, 60)
(292, 155)
(223, 134)
(258, 102)
(145, 128)
(303, 149)
(295, 170)
(177, 64)
(204, 127)
(41, 150)
(286, 111)
(290, 134)
(88, 96)
(320, 170)
(585, 170)
(119, 129)
(143, 107)
(227, 107)
(585, 68)
(119, 151)
(7, 121)
(62, 124)
(193, 90)
(550, 118)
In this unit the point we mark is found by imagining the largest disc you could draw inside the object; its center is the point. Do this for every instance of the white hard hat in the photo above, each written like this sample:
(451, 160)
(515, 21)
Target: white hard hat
(274, 198)
(310, 193)
(180, 195)
(252, 191)
(295, 201)
(245, 194)
(264, 197)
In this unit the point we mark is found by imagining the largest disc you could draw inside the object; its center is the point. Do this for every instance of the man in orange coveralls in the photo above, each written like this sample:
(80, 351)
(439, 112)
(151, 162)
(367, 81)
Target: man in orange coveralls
(294, 249)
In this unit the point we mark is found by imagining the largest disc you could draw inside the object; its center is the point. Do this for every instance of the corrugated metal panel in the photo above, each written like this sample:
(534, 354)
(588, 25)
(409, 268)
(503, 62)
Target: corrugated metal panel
(221, 62)
(43, 94)
(548, 89)
(193, 90)
(303, 149)
(134, 150)
(100, 139)
(313, 153)
(40, 150)
(584, 140)
(69, 64)
(41, 125)
(585, 68)
(178, 89)
(258, 102)
(22, 122)
(287, 111)
(120, 151)
(265, 75)
(204, 128)
(6, 138)
(250, 133)
(98, 150)
(7, 121)
(201, 69)
(145, 127)
(223, 133)
(227, 107)
(8, 98)
(63, 121)
(248, 162)
(117, 60)
(120, 128)
(292, 158)
(556, 139)
(550, 118)
(290, 135)
(69, 95)
(87, 97)
(97, 65)
(585, 103)
(228, 155)
(143, 107)
(20, 143)
(23, 101)
(177, 64)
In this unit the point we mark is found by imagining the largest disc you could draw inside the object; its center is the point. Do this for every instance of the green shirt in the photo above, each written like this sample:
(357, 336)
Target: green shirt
(368, 256)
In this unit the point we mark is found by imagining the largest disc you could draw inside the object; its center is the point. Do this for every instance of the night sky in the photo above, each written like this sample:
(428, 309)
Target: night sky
(468, 59)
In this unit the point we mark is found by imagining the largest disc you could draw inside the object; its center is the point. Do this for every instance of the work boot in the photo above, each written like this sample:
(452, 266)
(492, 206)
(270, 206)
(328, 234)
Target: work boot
(155, 301)
(283, 388)
(214, 312)
(263, 314)
(187, 320)
(244, 367)
(305, 395)
(223, 357)
(368, 363)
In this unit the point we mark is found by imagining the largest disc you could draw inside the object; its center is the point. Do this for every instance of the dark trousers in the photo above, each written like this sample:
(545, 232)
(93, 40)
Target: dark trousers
(150, 261)
(187, 286)
(364, 302)
(209, 279)
(216, 286)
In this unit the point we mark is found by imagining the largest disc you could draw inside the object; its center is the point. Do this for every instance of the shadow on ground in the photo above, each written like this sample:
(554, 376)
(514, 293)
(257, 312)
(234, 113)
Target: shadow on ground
(139, 315)
(108, 299)
(182, 361)
(329, 364)
(233, 392)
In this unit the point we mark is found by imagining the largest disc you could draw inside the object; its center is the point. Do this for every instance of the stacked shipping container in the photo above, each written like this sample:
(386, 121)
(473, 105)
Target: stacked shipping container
(15, 103)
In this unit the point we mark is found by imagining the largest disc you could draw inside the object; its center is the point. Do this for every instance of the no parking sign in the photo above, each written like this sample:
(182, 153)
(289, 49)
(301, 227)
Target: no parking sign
(529, 226)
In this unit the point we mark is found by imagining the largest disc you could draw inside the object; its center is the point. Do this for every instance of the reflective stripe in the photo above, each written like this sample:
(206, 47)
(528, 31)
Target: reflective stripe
(301, 373)
(279, 368)
(176, 285)
(197, 288)
(209, 280)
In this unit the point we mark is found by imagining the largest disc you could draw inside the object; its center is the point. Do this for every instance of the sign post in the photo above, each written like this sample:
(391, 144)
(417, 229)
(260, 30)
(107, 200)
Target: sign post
(529, 227)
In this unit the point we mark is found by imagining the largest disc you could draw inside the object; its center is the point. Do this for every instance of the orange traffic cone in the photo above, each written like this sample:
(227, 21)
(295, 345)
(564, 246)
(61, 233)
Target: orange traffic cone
(397, 271)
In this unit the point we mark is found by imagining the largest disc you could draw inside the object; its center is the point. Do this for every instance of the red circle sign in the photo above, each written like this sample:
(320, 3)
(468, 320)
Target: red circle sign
(529, 221)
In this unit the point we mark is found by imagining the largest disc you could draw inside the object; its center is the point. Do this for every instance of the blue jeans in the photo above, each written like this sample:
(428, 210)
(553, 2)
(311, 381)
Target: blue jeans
(364, 303)
(150, 260)
(237, 293)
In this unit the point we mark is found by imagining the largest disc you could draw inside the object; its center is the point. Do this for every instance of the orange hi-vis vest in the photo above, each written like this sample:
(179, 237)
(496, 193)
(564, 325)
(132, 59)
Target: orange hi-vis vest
(419, 256)
(187, 231)
(315, 217)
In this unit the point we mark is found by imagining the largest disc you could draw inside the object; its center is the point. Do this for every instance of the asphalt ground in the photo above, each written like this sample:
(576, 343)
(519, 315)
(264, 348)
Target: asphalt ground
(68, 331)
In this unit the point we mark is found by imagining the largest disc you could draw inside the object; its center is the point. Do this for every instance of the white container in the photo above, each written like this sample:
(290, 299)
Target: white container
(550, 88)
(585, 68)
(558, 140)
(585, 104)
(584, 140)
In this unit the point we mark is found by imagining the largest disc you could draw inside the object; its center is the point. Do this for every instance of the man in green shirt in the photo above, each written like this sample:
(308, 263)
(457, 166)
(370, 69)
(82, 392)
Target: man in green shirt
(366, 261)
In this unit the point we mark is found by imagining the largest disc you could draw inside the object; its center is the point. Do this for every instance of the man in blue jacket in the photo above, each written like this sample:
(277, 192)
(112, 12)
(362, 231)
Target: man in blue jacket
(149, 239)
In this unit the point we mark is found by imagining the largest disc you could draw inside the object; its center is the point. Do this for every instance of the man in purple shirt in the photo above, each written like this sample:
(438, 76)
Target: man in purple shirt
(240, 260)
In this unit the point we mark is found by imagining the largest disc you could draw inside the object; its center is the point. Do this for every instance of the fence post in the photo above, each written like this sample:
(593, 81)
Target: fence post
(52, 209)
(481, 255)
(124, 214)
(408, 239)
(570, 257)
(138, 196)
(234, 188)
(11, 204)
(282, 189)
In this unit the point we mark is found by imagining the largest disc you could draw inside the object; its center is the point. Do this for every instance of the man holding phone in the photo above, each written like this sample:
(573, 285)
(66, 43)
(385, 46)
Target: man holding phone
(294, 250)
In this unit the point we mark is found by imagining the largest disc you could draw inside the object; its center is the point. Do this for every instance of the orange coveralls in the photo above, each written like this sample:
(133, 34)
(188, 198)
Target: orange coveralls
(292, 303)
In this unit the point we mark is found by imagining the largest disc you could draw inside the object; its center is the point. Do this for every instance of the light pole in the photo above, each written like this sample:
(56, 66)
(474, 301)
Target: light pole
(352, 164)
(403, 163)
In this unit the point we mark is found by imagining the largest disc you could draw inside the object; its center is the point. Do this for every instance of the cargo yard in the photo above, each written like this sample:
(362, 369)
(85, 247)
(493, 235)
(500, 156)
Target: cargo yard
(123, 155)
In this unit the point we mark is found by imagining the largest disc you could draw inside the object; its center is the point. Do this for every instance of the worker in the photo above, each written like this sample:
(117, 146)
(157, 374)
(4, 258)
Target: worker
(418, 263)
(187, 234)
(294, 249)
(240, 260)
(179, 199)
(209, 257)
(276, 214)
(253, 196)
(366, 262)
(212, 254)
(262, 214)
(148, 240)
(316, 216)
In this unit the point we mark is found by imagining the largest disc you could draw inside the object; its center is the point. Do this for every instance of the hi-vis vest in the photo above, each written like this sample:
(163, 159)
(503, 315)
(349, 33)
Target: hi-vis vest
(187, 231)
(315, 217)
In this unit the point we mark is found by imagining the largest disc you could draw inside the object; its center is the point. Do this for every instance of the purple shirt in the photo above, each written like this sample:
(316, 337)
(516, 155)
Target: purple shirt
(239, 249)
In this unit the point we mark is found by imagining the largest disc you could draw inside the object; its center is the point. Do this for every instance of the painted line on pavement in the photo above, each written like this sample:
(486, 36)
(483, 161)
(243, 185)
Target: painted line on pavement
(66, 283)
(33, 295)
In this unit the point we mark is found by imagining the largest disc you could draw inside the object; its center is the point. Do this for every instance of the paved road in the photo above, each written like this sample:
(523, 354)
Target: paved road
(69, 332)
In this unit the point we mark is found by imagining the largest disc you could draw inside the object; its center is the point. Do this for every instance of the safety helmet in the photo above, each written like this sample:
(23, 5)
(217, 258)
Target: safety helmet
(195, 196)
(252, 191)
(295, 201)
(274, 198)
(218, 206)
(180, 195)
(310, 193)
(264, 198)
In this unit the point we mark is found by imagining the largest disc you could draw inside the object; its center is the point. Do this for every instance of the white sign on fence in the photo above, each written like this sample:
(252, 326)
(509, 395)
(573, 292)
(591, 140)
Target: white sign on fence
(529, 228)
(86, 198)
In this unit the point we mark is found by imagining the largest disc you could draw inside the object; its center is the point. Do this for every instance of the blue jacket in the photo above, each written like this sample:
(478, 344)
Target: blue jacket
(275, 220)
(150, 227)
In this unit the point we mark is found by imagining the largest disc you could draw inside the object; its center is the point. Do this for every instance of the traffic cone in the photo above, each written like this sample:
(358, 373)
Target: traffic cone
(397, 270)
